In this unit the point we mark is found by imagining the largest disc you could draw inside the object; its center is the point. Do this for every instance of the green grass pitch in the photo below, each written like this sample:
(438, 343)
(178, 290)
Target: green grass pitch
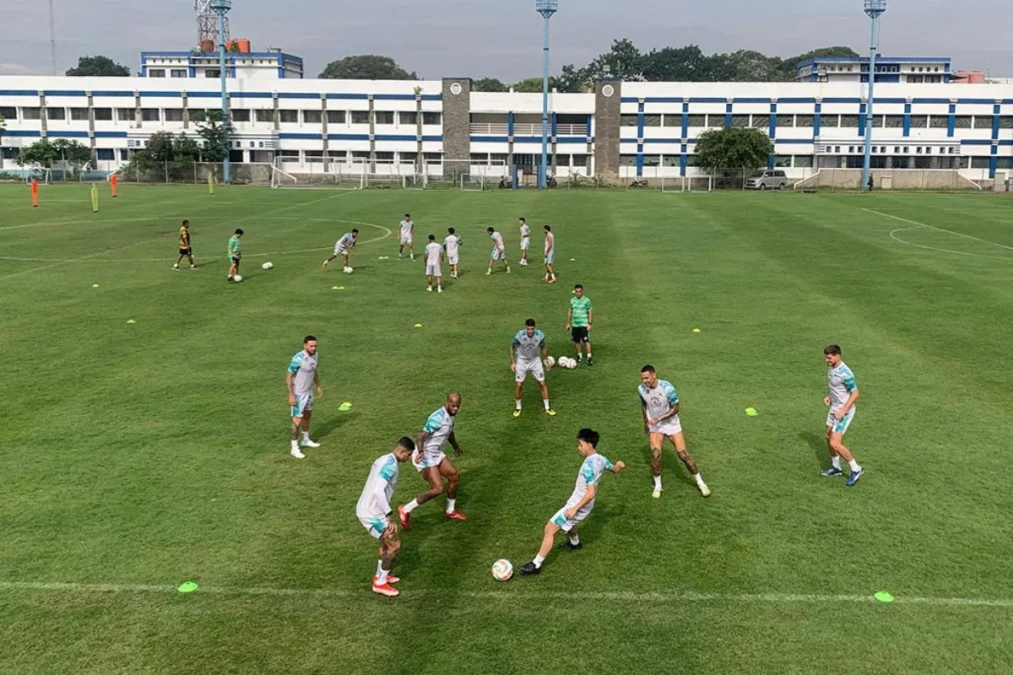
(134, 457)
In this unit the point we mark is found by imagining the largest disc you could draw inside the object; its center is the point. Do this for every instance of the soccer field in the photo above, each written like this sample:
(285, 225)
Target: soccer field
(137, 456)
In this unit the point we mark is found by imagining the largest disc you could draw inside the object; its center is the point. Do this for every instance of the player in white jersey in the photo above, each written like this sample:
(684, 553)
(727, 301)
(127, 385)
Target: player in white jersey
(300, 377)
(498, 251)
(659, 404)
(344, 245)
(434, 258)
(452, 245)
(843, 393)
(527, 355)
(406, 230)
(579, 505)
(373, 510)
(550, 255)
(434, 466)
(525, 240)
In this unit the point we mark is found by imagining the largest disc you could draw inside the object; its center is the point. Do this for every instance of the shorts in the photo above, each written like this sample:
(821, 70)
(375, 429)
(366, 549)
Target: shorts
(497, 254)
(303, 404)
(433, 271)
(375, 525)
(406, 240)
(338, 250)
(550, 258)
(426, 460)
(452, 259)
(580, 334)
(840, 427)
(185, 251)
(534, 367)
(235, 261)
(669, 427)
(525, 244)
(566, 524)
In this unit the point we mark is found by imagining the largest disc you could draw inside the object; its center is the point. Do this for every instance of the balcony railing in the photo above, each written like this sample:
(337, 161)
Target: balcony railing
(501, 129)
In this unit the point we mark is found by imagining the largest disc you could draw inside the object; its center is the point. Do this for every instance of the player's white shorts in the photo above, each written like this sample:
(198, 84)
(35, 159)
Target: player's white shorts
(452, 259)
(433, 270)
(375, 525)
(669, 427)
(525, 243)
(550, 257)
(566, 524)
(303, 404)
(533, 367)
(497, 254)
(406, 240)
(340, 250)
(840, 427)
(425, 460)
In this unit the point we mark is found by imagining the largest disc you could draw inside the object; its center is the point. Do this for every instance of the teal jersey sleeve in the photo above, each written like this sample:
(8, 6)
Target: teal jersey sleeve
(588, 472)
(849, 380)
(293, 366)
(608, 464)
(389, 470)
(671, 394)
(434, 422)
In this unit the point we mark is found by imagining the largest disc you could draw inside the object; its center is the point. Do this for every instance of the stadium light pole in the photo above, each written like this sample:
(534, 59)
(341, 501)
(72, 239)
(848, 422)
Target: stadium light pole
(875, 9)
(221, 8)
(546, 8)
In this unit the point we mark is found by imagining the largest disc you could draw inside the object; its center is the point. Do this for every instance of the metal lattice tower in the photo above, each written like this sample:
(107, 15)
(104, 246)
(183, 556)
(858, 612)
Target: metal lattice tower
(546, 8)
(875, 9)
(208, 25)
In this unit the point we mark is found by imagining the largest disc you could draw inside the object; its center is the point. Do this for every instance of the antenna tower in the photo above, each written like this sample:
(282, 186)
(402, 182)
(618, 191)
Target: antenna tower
(208, 37)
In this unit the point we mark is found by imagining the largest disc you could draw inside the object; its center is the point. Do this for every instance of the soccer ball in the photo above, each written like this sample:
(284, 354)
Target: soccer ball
(237, 278)
(567, 362)
(502, 570)
(347, 270)
(267, 266)
(551, 361)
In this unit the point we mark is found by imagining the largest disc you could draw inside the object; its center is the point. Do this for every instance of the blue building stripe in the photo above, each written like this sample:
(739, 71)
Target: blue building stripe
(110, 94)
(640, 134)
(204, 94)
(110, 134)
(728, 115)
(907, 120)
(297, 94)
(862, 122)
(65, 92)
(685, 119)
(393, 97)
(490, 139)
(67, 134)
(349, 97)
(951, 123)
(18, 92)
(707, 99)
(571, 139)
(346, 137)
(162, 94)
(796, 100)
(23, 134)
(683, 160)
(817, 120)
(307, 137)
(842, 100)
(252, 94)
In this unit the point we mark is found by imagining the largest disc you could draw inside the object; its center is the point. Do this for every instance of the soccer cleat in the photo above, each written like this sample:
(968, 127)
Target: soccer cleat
(413, 257)
(567, 545)
(386, 589)
(307, 443)
(508, 270)
(656, 494)
(590, 362)
(400, 256)
(193, 267)
(517, 413)
(175, 268)
(530, 568)
(853, 478)
(832, 471)
(229, 278)
(705, 491)
(580, 358)
(404, 517)
(297, 453)
(455, 515)
(391, 579)
(550, 412)
(488, 273)
(439, 290)
(429, 289)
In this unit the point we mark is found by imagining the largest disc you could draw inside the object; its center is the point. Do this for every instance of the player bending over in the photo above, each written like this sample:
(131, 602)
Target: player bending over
(434, 258)
(185, 249)
(550, 255)
(235, 253)
(660, 406)
(498, 251)
(525, 241)
(581, 502)
(527, 355)
(407, 231)
(841, 399)
(299, 380)
(342, 247)
(452, 245)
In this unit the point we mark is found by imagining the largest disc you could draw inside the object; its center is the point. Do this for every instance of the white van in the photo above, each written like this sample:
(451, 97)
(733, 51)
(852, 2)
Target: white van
(771, 179)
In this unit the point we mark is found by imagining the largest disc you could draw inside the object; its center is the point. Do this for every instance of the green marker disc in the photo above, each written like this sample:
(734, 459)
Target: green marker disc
(883, 596)
(131, 321)
(345, 407)
(751, 412)
(187, 587)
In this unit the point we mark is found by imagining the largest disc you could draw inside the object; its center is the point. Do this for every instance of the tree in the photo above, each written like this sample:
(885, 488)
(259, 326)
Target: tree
(790, 66)
(71, 153)
(720, 150)
(366, 67)
(624, 61)
(573, 80)
(38, 155)
(532, 85)
(98, 66)
(490, 84)
(216, 136)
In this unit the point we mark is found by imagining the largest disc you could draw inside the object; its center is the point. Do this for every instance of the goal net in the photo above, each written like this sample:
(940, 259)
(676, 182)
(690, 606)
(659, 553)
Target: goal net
(687, 184)
(464, 174)
(338, 175)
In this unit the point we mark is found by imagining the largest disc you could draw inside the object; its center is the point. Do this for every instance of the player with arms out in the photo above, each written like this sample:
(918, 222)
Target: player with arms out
(579, 317)
(434, 258)
(342, 247)
(434, 466)
(843, 393)
(498, 251)
(659, 404)
(373, 510)
(581, 502)
(452, 245)
(235, 254)
(299, 380)
(550, 255)
(527, 355)
(525, 241)
(185, 249)
(407, 231)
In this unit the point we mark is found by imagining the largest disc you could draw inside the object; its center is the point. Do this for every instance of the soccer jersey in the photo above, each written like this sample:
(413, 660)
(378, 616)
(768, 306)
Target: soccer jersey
(841, 382)
(580, 307)
(184, 238)
(528, 347)
(375, 499)
(235, 246)
(525, 232)
(550, 245)
(439, 425)
(451, 243)
(304, 368)
(346, 242)
(406, 228)
(589, 474)
(497, 240)
(659, 400)
(433, 253)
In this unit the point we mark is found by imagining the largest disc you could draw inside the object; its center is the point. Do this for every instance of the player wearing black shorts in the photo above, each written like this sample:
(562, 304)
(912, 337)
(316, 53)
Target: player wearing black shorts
(578, 322)
(185, 249)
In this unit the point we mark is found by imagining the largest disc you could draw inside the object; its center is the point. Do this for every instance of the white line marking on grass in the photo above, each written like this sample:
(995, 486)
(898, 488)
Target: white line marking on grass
(940, 229)
(609, 596)
(893, 235)
(65, 262)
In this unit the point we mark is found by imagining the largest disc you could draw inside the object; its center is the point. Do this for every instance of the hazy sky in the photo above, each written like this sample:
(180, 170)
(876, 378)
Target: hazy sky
(502, 38)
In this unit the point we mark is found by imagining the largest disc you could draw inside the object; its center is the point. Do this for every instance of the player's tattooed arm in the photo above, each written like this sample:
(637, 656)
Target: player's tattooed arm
(672, 412)
(454, 444)
(420, 440)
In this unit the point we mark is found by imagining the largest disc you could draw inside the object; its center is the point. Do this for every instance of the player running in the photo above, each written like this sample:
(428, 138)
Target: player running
(527, 354)
(841, 399)
(452, 245)
(434, 257)
(550, 255)
(579, 316)
(185, 250)
(581, 502)
(342, 247)
(434, 466)
(299, 380)
(373, 511)
(660, 405)
(498, 251)
(407, 231)
(525, 241)
(235, 253)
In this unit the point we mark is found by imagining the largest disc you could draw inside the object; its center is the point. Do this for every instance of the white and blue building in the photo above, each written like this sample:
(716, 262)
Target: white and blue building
(889, 69)
(273, 64)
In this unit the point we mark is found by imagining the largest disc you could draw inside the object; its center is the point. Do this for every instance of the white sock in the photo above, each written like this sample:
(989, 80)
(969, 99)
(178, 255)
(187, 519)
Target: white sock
(379, 568)
(411, 506)
(699, 480)
(854, 465)
(381, 577)
(305, 435)
(546, 402)
(574, 539)
(295, 446)
(517, 402)
(538, 560)
(836, 461)
(657, 483)
(450, 505)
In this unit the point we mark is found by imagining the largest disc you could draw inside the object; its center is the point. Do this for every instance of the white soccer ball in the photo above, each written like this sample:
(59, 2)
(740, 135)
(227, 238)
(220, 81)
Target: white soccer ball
(237, 278)
(502, 570)
(551, 361)
(564, 362)
(348, 270)
(267, 266)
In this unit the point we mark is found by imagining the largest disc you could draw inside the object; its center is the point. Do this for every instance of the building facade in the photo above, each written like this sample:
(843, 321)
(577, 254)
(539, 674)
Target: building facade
(270, 65)
(891, 69)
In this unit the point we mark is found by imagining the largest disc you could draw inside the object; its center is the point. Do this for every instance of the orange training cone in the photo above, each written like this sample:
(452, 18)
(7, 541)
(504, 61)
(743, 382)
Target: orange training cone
(113, 181)
(35, 193)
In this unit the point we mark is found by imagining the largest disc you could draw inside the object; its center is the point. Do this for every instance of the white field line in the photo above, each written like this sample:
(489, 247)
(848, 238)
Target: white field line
(933, 227)
(893, 235)
(519, 596)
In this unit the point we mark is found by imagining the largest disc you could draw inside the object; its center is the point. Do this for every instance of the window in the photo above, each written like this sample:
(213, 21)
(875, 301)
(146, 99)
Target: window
(8, 113)
(675, 120)
(979, 162)
(124, 155)
(579, 161)
(406, 118)
(694, 120)
(408, 157)
(983, 122)
(782, 161)
(652, 160)
(125, 114)
(854, 162)
(288, 116)
(627, 160)
(786, 121)
(877, 162)
(238, 115)
(919, 121)
(156, 72)
(312, 117)
(56, 113)
(209, 73)
(335, 116)
(1006, 122)
(178, 72)
(150, 115)
(10, 153)
(761, 121)
(803, 120)
(360, 117)
(939, 121)
(197, 115)
(175, 114)
(1004, 163)
(105, 154)
(740, 121)
(849, 121)
(433, 118)
(79, 114)
(432, 157)
(652, 120)
(830, 121)
(479, 158)
(315, 156)
(670, 161)
(383, 116)
(963, 121)
(265, 115)
(894, 121)
(628, 120)
(918, 151)
(803, 161)
(384, 156)
(896, 149)
(294, 154)
(102, 114)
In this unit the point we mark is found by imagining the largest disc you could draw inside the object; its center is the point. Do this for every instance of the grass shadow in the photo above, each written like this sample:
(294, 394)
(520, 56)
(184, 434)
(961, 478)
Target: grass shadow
(818, 445)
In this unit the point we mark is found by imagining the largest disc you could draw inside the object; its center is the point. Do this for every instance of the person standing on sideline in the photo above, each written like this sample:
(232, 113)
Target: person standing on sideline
(407, 231)
(432, 464)
(235, 253)
(527, 355)
(550, 255)
(843, 393)
(185, 249)
(434, 257)
(525, 241)
(498, 251)
(452, 246)
(300, 378)
(579, 317)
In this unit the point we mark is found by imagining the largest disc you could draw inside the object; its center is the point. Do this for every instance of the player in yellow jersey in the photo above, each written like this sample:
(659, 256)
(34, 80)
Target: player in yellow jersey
(185, 248)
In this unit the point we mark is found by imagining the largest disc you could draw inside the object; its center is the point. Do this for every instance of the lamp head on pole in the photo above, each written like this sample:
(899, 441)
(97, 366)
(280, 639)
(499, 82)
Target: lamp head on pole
(547, 7)
(875, 8)
(221, 5)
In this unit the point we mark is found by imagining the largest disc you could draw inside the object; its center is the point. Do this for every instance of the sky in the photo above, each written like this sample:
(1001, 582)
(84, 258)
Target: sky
(502, 39)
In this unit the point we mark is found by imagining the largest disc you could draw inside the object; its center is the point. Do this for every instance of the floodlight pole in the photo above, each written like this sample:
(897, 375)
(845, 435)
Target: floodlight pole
(875, 9)
(221, 8)
(546, 8)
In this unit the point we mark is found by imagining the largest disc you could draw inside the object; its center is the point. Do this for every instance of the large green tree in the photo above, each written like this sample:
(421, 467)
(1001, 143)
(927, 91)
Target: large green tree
(732, 148)
(366, 67)
(215, 134)
(490, 84)
(44, 154)
(98, 66)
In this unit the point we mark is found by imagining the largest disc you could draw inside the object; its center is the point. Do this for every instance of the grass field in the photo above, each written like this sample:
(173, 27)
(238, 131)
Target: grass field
(134, 457)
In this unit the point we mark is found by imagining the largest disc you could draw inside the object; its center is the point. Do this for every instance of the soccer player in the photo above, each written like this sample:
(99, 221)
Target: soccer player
(299, 380)
(579, 316)
(185, 250)
(498, 251)
(452, 245)
(342, 247)
(235, 253)
(434, 257)
(841, 399)
(373, 511)
(581, 502)
(527, 354)
(525, 241)
(407, 228)
(434, 466)
(660, 405)
(550, 255)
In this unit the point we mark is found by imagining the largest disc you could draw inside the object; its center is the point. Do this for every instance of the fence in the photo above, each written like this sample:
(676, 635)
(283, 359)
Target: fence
(901, 179)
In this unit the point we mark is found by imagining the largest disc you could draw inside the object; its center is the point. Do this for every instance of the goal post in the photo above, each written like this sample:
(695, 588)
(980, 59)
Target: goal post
(682, 184)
